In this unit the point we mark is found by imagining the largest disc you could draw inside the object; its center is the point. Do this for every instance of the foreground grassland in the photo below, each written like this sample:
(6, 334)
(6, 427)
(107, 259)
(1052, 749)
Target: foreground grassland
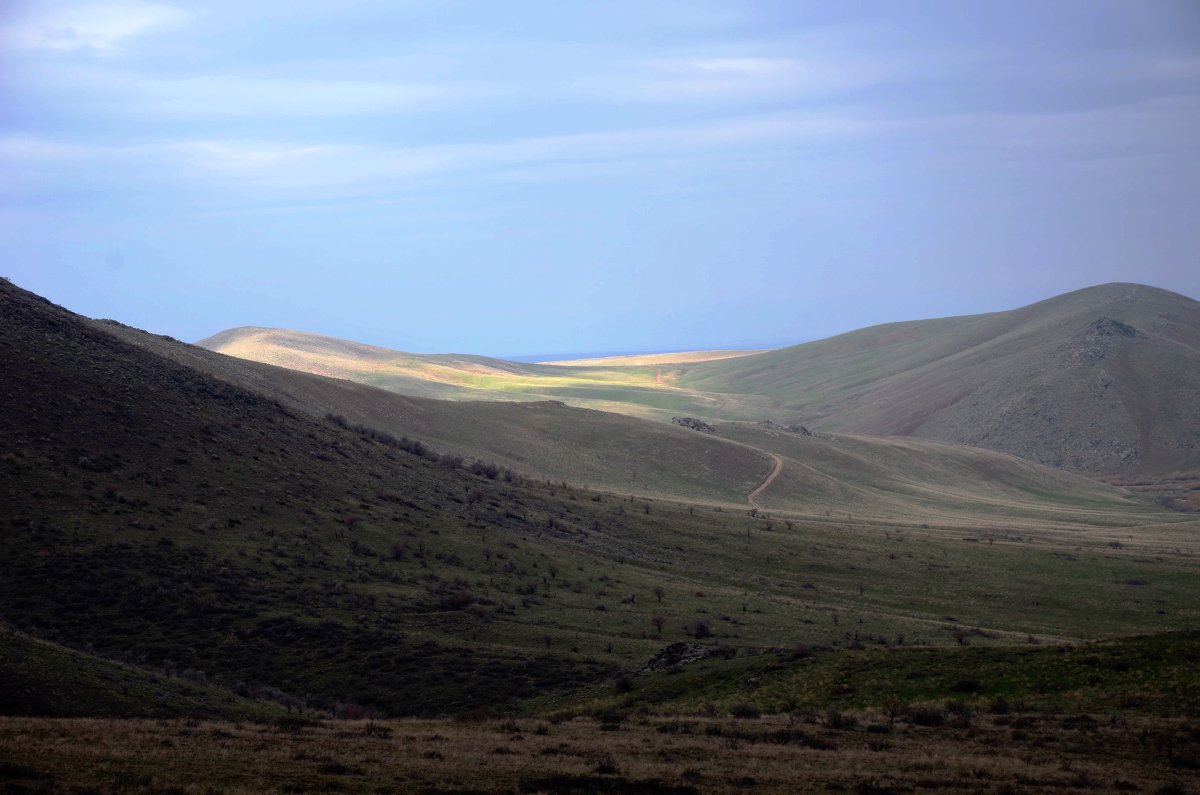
(1003, 753)
(1121, 715)
(1152, 674)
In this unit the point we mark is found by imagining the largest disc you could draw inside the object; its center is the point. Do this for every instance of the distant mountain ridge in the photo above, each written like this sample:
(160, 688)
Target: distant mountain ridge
(1103, 380)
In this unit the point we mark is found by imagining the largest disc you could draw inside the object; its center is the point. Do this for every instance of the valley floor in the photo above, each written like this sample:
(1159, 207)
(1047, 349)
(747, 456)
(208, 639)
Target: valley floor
(1064, 753)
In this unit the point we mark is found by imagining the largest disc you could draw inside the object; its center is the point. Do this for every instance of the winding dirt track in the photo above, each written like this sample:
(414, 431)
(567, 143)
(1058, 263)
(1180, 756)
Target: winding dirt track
(752, 496)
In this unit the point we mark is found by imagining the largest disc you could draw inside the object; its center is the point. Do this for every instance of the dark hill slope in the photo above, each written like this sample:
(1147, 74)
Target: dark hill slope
(46, 679)
(155, 514)
(1103, 380)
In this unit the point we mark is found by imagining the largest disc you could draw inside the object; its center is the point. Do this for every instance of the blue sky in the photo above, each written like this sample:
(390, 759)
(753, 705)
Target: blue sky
(545, 177)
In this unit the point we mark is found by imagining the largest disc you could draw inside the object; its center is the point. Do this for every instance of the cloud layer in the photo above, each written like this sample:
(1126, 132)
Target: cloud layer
(550, 153)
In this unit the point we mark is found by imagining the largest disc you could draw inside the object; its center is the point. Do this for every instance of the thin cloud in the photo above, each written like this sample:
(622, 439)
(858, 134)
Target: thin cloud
(295, 167)
(242, 96)
(99, 28)
(733, 76)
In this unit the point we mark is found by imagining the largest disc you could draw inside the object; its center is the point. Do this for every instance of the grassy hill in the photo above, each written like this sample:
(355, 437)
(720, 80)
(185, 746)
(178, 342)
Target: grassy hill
(1100, 381)
(46, 679)
(636, 389)
(916, 478)
(158, 515)
(895, 479)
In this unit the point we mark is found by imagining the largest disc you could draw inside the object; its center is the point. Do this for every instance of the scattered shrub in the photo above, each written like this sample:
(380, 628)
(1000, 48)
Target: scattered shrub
(927, 715)
(840, 720)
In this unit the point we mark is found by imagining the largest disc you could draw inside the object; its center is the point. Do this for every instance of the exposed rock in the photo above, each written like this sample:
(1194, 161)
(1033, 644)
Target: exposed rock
(679, 653)
(694, 424)
(797, 429)
(1107, 327)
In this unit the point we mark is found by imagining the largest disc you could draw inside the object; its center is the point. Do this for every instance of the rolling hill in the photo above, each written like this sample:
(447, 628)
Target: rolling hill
(876, 478)
(160, 516)
(624, 387)
(1104, 380)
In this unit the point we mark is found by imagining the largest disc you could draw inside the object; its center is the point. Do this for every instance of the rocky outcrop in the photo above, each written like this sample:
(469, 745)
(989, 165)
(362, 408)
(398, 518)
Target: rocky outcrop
(677, 654)
(694, 424)
(797, 429)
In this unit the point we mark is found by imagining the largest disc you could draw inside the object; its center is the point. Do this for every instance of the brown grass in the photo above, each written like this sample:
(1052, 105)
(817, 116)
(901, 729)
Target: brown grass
(1001, 753)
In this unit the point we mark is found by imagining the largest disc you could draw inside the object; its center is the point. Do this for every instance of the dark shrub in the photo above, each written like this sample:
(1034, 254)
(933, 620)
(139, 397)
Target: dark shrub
(927, 715)
(840, 720)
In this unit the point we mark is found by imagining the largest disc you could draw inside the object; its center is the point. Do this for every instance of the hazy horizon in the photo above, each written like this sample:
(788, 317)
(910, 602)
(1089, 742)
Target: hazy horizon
(504, 180)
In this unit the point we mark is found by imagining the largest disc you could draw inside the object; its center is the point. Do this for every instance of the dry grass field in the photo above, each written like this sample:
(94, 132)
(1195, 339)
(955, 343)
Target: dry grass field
(832, 752)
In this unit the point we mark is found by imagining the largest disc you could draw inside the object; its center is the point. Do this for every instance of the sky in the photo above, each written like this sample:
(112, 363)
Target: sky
(556, 177)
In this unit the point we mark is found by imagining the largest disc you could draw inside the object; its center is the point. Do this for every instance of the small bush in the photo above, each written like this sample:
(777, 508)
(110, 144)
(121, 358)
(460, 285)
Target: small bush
(959, 714)
(476, 715)
(745, 711)
(927, 715)
(801, 652)
(840, 720)
(373, 729)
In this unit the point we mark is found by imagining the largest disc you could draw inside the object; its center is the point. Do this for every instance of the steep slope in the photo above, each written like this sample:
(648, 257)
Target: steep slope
(46, 679)
(1105, 379)
(153, 513)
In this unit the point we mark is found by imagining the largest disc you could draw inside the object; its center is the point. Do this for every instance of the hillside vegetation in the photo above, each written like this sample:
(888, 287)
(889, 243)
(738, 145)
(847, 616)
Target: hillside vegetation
(160, 516)
(1101, 381)
(866, 477)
